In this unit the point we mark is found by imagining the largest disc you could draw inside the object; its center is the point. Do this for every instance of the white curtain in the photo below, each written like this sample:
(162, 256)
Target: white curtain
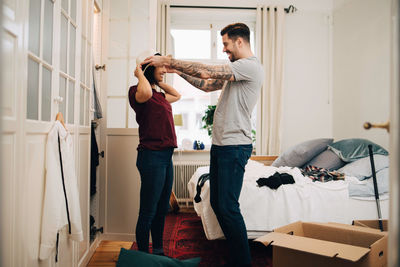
(270, 40)
(163, 29)
(164, 44)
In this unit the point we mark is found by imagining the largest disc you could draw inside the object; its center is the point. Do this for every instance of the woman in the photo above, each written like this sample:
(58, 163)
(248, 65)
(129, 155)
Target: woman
(157, 141)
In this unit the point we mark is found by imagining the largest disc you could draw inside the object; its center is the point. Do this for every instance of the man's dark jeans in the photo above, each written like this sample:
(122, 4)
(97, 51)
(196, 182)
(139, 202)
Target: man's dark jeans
(226, 178)
(156, 174)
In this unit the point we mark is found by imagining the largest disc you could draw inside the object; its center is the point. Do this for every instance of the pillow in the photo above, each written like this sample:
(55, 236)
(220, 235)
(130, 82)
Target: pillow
(352, 149)
(367, 189)
(327, 160)
(361, 168)
(130, 258)
(298, 155)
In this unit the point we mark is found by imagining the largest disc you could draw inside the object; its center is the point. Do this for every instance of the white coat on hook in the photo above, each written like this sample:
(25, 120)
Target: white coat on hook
(55, 212)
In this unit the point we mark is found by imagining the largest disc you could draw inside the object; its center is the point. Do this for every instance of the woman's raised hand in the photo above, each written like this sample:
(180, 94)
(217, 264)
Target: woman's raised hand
(138, 70)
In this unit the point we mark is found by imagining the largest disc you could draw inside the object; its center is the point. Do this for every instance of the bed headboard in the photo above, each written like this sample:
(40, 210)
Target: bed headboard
(266, 160)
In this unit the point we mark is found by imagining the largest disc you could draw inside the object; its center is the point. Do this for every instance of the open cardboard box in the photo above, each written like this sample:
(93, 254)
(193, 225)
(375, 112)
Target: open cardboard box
(318, 244)
(372, 224)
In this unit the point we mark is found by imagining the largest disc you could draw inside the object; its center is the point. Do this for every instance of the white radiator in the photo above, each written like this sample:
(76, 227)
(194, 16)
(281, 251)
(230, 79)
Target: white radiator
(183, 171)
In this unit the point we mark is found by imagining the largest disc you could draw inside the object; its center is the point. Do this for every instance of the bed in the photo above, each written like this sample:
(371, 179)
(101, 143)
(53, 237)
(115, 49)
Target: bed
(265, 209)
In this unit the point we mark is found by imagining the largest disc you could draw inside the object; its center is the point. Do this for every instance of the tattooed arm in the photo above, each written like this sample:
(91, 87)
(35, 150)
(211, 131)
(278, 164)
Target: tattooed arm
(202, 84)
(199, 70)
(203, 71)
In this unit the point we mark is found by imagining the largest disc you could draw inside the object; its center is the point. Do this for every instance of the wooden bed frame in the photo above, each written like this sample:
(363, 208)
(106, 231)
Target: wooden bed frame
(266, 160)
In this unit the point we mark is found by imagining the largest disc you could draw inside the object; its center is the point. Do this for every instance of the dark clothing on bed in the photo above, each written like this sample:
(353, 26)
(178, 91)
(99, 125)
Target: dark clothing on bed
(200, 183)
(276, 180)
(321, 174)
(226, 179)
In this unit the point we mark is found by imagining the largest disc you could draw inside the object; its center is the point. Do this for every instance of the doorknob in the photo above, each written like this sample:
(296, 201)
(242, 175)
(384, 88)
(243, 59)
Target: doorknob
(102, 67)
(386, 125)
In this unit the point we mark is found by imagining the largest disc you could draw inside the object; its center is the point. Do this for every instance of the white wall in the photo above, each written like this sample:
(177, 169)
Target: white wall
(361, 61)
(307, 105)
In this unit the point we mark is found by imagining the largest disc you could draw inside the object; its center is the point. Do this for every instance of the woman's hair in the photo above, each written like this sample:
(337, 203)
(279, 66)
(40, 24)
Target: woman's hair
(149, 72)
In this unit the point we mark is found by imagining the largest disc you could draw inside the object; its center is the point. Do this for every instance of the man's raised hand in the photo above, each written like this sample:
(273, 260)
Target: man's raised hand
(157, 61)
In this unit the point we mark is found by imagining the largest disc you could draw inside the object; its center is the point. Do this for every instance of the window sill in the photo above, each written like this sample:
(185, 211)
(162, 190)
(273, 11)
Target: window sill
(177, 150)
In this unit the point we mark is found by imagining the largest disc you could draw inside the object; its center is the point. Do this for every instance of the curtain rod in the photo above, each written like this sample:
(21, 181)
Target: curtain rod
(289, 9)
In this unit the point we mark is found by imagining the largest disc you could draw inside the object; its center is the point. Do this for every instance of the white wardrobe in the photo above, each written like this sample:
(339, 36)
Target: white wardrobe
(47, 68)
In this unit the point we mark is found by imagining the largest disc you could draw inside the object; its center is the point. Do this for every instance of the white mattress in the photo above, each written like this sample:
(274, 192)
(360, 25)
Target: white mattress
(264, 209)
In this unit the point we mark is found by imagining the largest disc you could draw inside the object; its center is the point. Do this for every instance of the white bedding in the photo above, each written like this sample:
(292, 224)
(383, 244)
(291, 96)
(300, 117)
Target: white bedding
(264, 209)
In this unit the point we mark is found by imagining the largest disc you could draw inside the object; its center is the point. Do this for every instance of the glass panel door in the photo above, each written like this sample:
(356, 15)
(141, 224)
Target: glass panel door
(40, 60)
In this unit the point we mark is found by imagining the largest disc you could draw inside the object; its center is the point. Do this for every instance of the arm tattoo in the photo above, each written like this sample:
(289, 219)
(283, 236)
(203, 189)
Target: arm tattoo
(204, 85)
(222, 72)
(196, 82)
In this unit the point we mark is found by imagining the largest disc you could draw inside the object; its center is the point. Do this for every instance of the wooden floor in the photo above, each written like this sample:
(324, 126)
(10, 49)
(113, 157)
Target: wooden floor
(106, 254)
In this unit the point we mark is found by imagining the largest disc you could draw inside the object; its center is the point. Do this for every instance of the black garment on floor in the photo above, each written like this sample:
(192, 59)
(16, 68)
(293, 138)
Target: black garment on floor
(203, 178)
(276, 180)
(94, 162)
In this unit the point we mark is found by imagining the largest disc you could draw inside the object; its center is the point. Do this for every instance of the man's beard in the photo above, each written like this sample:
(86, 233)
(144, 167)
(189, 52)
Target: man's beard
(232, 58)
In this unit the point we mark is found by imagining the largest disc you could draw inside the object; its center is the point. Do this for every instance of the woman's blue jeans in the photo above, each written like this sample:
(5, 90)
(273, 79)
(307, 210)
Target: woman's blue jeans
(226, 179)
(156, 175)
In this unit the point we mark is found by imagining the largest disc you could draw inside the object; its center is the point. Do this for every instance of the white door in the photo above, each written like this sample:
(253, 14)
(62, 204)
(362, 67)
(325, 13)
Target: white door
(83, 119)
(43, 42)
(95, 208)
(394, 215)
(11, 141)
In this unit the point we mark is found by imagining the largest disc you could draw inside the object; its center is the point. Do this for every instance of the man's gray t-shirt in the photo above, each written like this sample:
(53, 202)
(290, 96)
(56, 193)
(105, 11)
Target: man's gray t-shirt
(232, 117)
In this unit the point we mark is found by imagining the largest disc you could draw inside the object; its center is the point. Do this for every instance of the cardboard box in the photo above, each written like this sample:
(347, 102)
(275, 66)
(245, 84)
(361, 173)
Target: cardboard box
(372, 224)
(360, 227)
(328, 245)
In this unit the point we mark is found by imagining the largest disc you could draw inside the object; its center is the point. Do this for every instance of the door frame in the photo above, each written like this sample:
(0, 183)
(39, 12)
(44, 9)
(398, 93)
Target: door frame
(394, 147)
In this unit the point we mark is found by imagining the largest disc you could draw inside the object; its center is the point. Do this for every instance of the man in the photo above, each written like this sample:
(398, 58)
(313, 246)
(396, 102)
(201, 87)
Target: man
(240, 81)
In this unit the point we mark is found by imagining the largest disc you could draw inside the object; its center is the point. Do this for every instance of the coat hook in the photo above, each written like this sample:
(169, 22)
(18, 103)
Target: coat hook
(98, 67)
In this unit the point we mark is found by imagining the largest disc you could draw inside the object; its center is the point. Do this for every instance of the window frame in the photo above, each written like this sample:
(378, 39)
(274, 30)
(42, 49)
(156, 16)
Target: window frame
(42, 63)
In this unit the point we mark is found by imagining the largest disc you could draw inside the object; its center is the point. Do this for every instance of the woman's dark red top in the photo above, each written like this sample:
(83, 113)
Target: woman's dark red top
(156, 123)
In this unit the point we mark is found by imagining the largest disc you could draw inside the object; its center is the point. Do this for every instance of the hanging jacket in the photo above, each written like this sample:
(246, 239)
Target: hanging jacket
(94, 161)
(61, 201)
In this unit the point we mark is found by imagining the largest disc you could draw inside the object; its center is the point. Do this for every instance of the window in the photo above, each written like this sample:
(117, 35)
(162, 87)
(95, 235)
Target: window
(195, 35)
(186, 41)
(67, 59)
(123, 47)
(46, 80)
(40, 60)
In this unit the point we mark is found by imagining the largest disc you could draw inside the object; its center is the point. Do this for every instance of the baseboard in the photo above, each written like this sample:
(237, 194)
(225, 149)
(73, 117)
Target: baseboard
(118, 237)
(92, 249)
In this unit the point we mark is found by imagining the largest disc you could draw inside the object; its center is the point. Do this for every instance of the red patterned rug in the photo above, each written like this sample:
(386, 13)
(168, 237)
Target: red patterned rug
(184, 238)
